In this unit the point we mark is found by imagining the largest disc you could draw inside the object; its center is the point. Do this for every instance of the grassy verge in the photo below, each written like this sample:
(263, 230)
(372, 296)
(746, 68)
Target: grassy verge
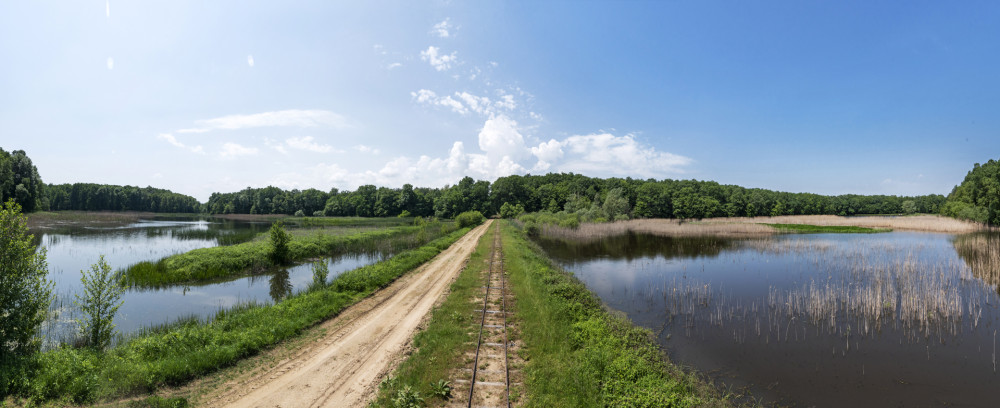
(441, 346)
(182, 352)
(580, 355)
(248, 257)
(842, 229)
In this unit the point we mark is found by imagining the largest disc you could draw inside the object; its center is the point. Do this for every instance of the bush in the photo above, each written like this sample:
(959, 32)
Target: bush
(320, 272)
(469, 219)
(318, 213)
(300, 213)
(102, 296)
(279, 243)
(25, 293)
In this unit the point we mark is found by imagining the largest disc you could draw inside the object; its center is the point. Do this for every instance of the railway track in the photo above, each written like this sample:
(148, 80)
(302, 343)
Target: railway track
(490, 382)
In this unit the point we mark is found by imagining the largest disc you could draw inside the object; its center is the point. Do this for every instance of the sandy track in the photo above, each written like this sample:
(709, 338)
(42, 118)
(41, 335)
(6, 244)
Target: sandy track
(343, 367)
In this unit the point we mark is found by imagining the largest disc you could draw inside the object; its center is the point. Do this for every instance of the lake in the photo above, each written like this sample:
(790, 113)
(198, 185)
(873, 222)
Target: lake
(75, 246)
(889, 319)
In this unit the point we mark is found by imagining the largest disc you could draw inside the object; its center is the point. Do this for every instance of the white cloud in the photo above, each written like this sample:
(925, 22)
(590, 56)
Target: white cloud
(464, 102)
(111, 63)
(441, 29)
(232, 150)
(367, 149)
(308, 143)
(620, 156)
(440, 62)
(502, 151)
(284, 118)
(250, 60)
(107, 8)
(393, 65)
(173, 141)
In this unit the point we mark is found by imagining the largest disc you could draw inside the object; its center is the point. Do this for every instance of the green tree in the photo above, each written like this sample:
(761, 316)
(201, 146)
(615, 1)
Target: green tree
(25, 293)
(320, 272)
(510, 211)
(102, 296)
(616, 204)
(279, 243)
(909, 207)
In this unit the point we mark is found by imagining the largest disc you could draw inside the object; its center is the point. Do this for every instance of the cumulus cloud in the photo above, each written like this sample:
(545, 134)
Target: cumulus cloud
(441, 29)
(169, 138)
(503, 150)
(232, 150)
(438, 60)
(250, 60)
(283, 118)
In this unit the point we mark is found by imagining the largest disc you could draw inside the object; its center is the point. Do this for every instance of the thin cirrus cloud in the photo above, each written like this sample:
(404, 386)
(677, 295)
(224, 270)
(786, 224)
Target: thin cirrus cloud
(232, 150)
(283, 118)
(173, 141)
(308, 143)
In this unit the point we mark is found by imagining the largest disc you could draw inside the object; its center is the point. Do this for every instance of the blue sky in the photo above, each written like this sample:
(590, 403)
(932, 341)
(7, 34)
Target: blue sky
(198, 97)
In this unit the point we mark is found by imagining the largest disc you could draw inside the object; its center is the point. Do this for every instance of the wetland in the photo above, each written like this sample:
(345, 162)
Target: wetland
(900, 318)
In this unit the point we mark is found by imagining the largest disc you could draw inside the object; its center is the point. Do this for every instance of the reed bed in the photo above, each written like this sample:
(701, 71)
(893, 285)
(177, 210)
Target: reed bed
(926, 223)
(664, 227)
(852, 290)
(982, 253)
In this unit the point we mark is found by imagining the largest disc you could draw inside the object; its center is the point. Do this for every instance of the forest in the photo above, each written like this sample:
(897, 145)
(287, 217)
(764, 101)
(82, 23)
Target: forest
(977, 198)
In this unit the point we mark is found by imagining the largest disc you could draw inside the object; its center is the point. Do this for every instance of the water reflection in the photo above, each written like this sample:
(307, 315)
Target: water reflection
(280, 285)
(803, 319)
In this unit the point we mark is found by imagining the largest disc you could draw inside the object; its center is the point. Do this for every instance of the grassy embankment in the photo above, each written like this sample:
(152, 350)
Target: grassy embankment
(839, 229)
(577, 353)
(175, 354)
(240, 259)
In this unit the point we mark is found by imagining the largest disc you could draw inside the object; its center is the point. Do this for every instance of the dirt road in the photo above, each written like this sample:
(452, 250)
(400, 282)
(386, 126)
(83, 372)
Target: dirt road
(343, 367)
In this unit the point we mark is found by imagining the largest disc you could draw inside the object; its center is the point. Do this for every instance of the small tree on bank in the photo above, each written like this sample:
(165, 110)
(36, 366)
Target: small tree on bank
(25, 293)
(102, 296)
(279, 243)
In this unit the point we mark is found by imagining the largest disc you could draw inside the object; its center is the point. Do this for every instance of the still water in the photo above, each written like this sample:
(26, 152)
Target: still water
(826, 320)
(74, 247)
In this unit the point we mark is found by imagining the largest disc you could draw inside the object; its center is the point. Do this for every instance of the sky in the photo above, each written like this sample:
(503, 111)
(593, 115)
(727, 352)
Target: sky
(828, 97)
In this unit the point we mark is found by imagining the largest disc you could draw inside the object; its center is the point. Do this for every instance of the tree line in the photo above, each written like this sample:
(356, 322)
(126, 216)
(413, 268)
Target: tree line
(978, 197)
(610, 198)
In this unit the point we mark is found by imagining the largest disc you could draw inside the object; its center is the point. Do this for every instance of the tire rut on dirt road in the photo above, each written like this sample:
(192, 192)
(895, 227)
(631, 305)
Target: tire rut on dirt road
(361, 345)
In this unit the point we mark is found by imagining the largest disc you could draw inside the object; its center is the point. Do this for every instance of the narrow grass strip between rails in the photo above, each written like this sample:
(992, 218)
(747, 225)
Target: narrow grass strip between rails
(838, 229)
(241, 259)
(579, 354)
(440, 347)
(181, 353)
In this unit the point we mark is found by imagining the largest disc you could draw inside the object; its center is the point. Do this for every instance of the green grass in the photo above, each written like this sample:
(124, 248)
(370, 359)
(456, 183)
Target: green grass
(579, 354)
(441, 346)
(175, 355)
(222, 262)
(840, 229)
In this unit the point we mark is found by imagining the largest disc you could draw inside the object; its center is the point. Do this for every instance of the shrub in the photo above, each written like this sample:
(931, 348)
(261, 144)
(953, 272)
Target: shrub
(279, 243)
(300, 213)
(102, 296)
(318, 213)
(469, 219)
(25, 293)
(320, 272)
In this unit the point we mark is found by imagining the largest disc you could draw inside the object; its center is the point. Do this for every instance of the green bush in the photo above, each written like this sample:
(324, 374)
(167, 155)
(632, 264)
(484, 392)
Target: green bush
(279, 243)
(25, 295)
(102, 296)
(469, 219)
